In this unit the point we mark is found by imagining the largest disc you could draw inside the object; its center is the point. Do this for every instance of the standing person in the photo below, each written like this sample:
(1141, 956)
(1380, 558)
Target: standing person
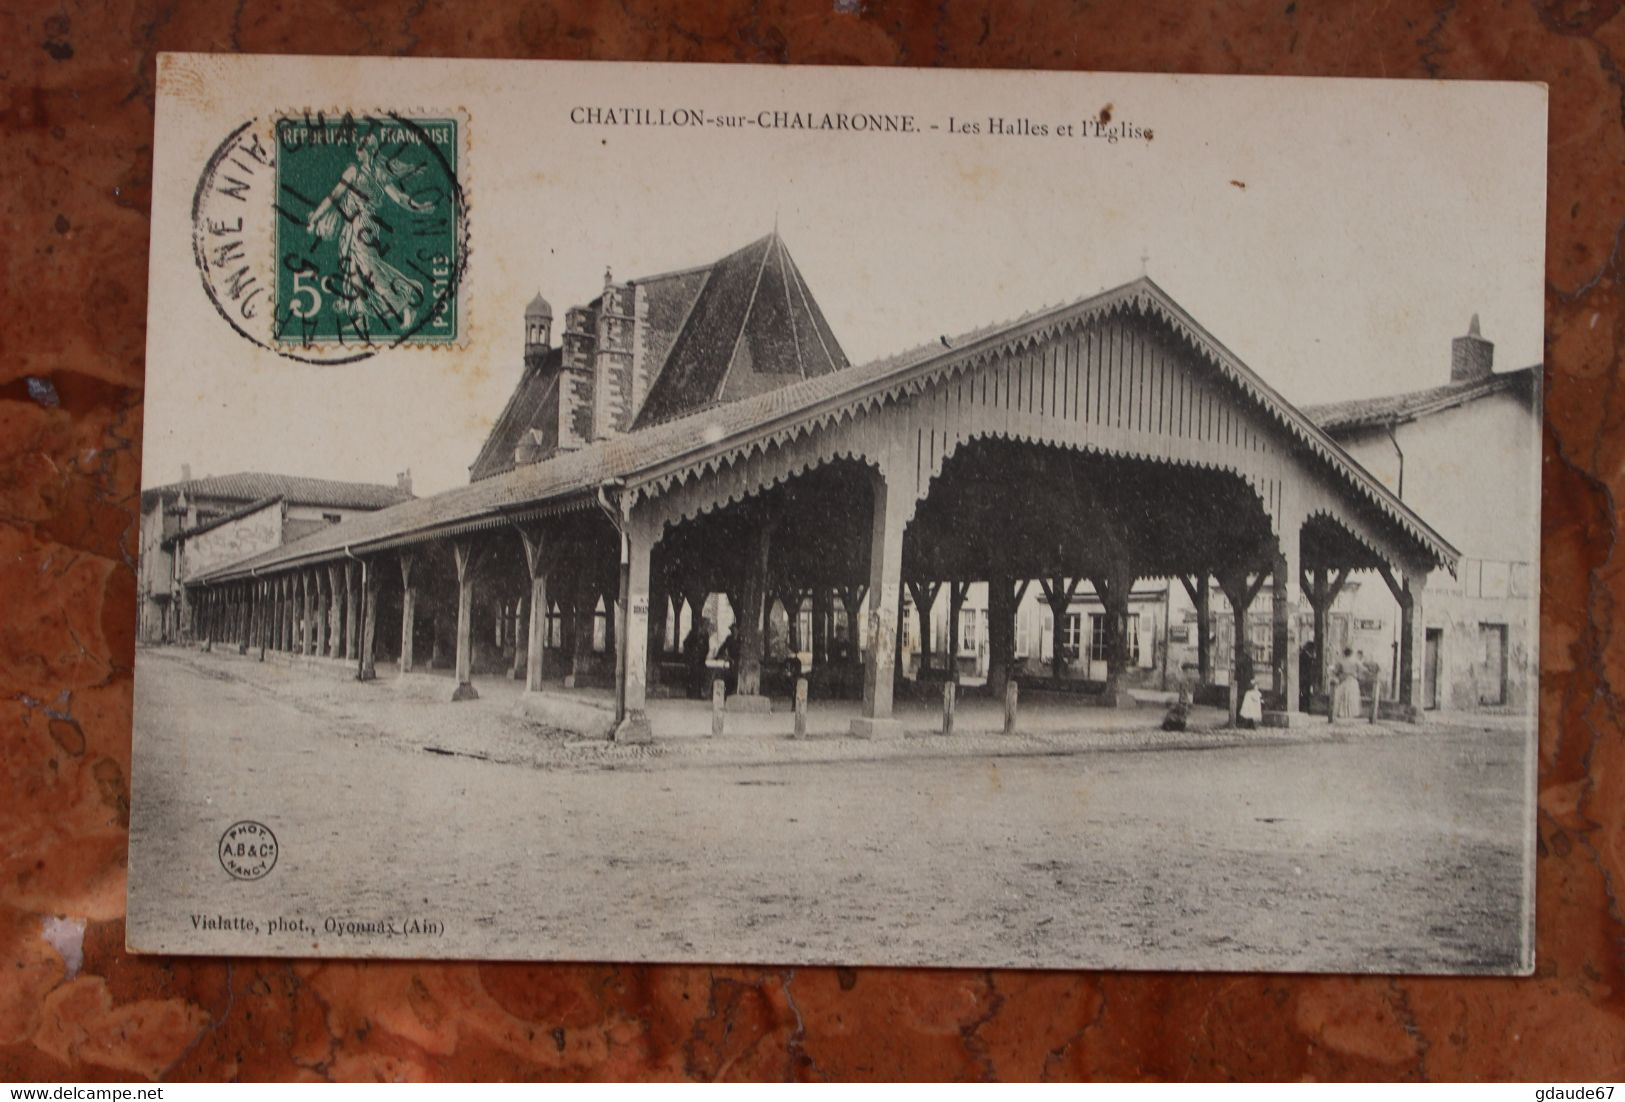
(696, 651)
(1307, 659)
(729, 653)
(1346, 694)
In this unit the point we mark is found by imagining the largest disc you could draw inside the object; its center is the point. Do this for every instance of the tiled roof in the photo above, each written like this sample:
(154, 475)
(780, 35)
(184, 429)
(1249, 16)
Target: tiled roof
(1387, 409)
(647, 458)
(528, 408)
(246, 486)
(215, 522)
(753, 325)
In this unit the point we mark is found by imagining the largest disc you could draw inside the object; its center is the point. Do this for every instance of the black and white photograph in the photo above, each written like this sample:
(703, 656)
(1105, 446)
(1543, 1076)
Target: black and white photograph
(820, 516)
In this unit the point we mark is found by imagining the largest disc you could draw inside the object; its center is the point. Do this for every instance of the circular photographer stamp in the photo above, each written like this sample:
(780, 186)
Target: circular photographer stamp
(327, 238)
(248, 850)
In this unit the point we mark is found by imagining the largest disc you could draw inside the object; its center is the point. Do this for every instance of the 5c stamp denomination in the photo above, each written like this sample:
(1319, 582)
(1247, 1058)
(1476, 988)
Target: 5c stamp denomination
(329, 237)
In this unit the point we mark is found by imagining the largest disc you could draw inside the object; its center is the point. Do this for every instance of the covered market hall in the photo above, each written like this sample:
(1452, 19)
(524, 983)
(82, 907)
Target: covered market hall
(1102, 441)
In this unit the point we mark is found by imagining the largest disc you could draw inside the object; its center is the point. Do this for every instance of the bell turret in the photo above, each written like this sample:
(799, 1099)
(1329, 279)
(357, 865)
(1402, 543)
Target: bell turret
(538, 329)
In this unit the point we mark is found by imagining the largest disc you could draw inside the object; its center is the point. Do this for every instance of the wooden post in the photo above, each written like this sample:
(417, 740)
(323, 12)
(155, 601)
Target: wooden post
(537, 564)
(718, 699)
(323, 612)
(370, 583)
(307, 630)
(749, 615)
(466, 557)
(950, 693)
(409, 610)
(1012, 692)
(891, 506)
(638, 537)
(801, 708)
(517, 670)
(352, 614)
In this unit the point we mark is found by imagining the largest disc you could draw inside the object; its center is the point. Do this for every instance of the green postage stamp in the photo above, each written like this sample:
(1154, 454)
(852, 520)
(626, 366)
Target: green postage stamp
(366, 230)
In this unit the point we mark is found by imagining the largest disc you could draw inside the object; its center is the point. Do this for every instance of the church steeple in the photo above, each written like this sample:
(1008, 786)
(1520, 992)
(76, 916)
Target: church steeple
(538, 328)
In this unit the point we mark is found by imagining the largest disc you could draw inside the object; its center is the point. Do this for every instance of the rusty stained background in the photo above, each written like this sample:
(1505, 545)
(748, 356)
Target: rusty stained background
(76, 109)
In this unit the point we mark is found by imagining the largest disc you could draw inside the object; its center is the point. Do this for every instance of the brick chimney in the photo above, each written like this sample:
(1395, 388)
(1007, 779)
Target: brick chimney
(1471, 357)
(186, 472)
(403, 481)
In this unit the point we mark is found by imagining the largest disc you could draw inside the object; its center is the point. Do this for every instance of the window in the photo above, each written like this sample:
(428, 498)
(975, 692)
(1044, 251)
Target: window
(332, 518)
(1072, 634)
(1097, 636)
(967, 630)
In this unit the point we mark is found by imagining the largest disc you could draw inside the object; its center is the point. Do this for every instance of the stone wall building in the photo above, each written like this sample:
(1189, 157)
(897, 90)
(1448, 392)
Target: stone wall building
(240, 506)
(1466, 455)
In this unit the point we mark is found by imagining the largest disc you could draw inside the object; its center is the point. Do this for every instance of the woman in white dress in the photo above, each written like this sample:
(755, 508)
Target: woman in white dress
(1346, 694)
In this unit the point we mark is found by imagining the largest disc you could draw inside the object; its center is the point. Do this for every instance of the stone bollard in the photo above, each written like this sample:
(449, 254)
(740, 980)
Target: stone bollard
(801, 708)
(1010, 695)
(719, 693)
(949, 695)
(1376, 700)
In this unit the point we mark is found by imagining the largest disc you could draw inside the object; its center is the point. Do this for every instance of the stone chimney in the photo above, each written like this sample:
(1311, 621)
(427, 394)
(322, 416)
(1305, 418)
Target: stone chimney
(186, 472)
(403, 481)
(1471, 357)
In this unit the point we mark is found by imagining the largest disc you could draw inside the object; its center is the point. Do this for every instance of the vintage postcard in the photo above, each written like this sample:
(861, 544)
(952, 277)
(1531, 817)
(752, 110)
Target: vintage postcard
(689, 513)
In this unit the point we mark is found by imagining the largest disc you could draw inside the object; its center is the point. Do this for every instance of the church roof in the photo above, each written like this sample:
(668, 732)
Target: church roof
(1339, 418)
(753, 317)
(533, 404)
(650, 459)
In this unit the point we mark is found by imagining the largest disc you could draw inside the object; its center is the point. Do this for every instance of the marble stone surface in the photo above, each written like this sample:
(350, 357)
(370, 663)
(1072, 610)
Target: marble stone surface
(75, 143)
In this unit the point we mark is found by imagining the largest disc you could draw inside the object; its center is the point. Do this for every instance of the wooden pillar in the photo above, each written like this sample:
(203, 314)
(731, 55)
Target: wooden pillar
(1284, 618)
(371, 585)
(307, 629)
(890, 513)
(1000, 642)
(273, 610)
(467, 558)
(324, 599)
(1407, 590)
(262, 619)
(1197, 588)
(290, 610)
(352, 613)
(1412, 643)
(925, 599)
(585, 611)
(957, 592)
(335, 610)
(1321, 591)
(517, 671)
(409, 610)
(637, 539)
(1113, 587)
(852, 600)
(1239, 591)
(1058, 593)
(537, 564)
(753, 600)
(820, 626)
